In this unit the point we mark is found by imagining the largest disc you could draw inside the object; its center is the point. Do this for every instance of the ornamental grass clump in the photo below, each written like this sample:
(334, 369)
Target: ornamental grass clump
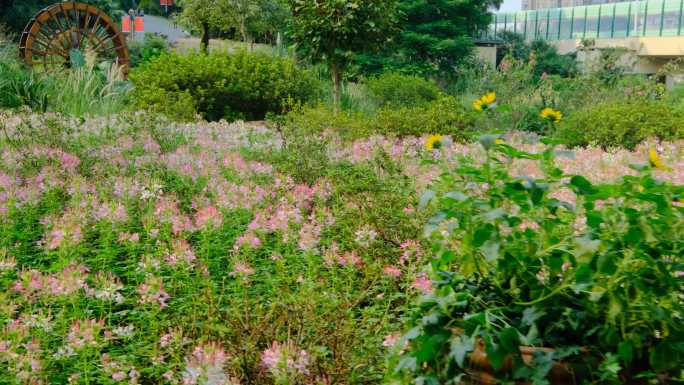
(592, 272)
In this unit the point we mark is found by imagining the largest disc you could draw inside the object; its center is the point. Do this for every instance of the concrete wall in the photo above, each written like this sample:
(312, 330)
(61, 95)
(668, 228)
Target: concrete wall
(641, 55)
(487, 54)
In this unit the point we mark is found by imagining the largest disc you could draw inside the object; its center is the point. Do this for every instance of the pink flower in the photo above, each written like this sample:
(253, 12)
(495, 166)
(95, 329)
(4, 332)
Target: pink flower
(152, 291)
(422, 284)
(206, 364)
(242, 269)
(118, 376)
(285, 360)
(69, 162)
(390, 340)
(207, 216)
(392, 271)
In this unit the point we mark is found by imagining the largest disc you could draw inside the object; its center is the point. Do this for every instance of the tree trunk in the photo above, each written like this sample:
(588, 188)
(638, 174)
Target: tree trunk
(244, 35)
(204, 44)
(337, 86)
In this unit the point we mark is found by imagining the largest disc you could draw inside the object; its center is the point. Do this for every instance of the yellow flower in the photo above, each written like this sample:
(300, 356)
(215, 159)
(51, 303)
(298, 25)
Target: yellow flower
(485, 102)
(550, 114)
(656, 160)
(433, 142)
(489, 98)
(477, 104)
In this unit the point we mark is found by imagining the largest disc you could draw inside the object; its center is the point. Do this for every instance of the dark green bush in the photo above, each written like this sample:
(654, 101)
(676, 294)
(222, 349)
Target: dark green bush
(622, 124)
(239, 85)
(546, 57)
(397, 89)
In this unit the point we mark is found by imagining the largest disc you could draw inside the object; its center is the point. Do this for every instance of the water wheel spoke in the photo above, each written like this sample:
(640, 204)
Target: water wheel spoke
(55, 31)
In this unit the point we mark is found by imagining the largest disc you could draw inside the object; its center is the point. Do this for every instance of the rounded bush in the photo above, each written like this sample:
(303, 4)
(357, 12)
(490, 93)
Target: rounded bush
(622, 124)
(397, 89)
(444, 116)
(240, 85)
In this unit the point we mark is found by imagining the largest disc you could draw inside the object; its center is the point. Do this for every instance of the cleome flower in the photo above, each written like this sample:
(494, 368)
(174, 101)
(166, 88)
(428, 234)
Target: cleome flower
(434, 142)
(551, 115)
(486, 102)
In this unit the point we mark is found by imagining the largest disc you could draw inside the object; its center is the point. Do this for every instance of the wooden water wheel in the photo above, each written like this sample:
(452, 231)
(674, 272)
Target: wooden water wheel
(49, 38)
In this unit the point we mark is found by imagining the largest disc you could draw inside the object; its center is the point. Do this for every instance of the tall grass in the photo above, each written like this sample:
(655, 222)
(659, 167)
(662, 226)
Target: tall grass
(19, 87)
(87, 89)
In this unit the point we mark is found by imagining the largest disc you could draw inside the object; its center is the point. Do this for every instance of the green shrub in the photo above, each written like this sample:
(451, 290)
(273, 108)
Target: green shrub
(622, 124)
(315, 120)
(444, 116)
(153, 45)
(239, 85)
(395, 89)
(516, 264)
(544, 57)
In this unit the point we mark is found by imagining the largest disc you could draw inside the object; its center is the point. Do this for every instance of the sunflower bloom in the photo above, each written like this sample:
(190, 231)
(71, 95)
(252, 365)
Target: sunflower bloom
(551, 115)
(656, 160)
(477, 105)
(433, 142)
(489, 98)
(486, 102)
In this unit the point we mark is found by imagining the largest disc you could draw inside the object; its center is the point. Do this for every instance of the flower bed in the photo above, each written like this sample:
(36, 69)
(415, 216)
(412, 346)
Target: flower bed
(134, 250)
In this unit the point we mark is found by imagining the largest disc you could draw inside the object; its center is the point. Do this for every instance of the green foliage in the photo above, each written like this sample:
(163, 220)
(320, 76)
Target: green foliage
(197, 290)
(611, 124)
(18, 86)
(84, 89)
(445, 116)
(436, 36)
(220, 85)
(544, 57)
(151, 47)
(398, 90)
(517, 264)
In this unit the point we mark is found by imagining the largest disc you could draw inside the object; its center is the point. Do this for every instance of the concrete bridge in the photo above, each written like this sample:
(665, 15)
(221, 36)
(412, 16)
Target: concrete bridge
(651, 32)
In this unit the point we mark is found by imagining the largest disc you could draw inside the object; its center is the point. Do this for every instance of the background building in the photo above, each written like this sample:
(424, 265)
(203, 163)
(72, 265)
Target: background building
(544, 4)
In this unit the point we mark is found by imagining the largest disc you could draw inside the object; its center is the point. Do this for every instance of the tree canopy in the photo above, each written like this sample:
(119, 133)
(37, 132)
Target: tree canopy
(436, 36)
(17, 13)
(333, 31)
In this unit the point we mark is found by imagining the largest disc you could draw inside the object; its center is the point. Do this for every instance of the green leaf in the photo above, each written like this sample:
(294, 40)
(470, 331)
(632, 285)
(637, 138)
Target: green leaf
(626, 351)
(406, 363)
(581, 185)
(426, 197)
(531, 315)
(460, 347)
(490, 250)
(509, 339)
(77, 58)
(664, 356)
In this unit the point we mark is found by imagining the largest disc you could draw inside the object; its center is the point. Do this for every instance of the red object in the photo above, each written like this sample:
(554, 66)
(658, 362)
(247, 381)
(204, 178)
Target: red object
(167, 3)
(139, 24)
(126, 24)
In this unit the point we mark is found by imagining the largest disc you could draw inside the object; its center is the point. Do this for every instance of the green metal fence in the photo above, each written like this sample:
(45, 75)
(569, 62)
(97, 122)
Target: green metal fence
(612, 20)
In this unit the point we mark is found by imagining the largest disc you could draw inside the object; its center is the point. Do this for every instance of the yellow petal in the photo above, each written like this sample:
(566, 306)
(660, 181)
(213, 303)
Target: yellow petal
(656, 160)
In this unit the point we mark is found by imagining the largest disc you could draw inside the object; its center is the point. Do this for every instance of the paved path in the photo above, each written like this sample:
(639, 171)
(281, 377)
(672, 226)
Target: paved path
(163, 26)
